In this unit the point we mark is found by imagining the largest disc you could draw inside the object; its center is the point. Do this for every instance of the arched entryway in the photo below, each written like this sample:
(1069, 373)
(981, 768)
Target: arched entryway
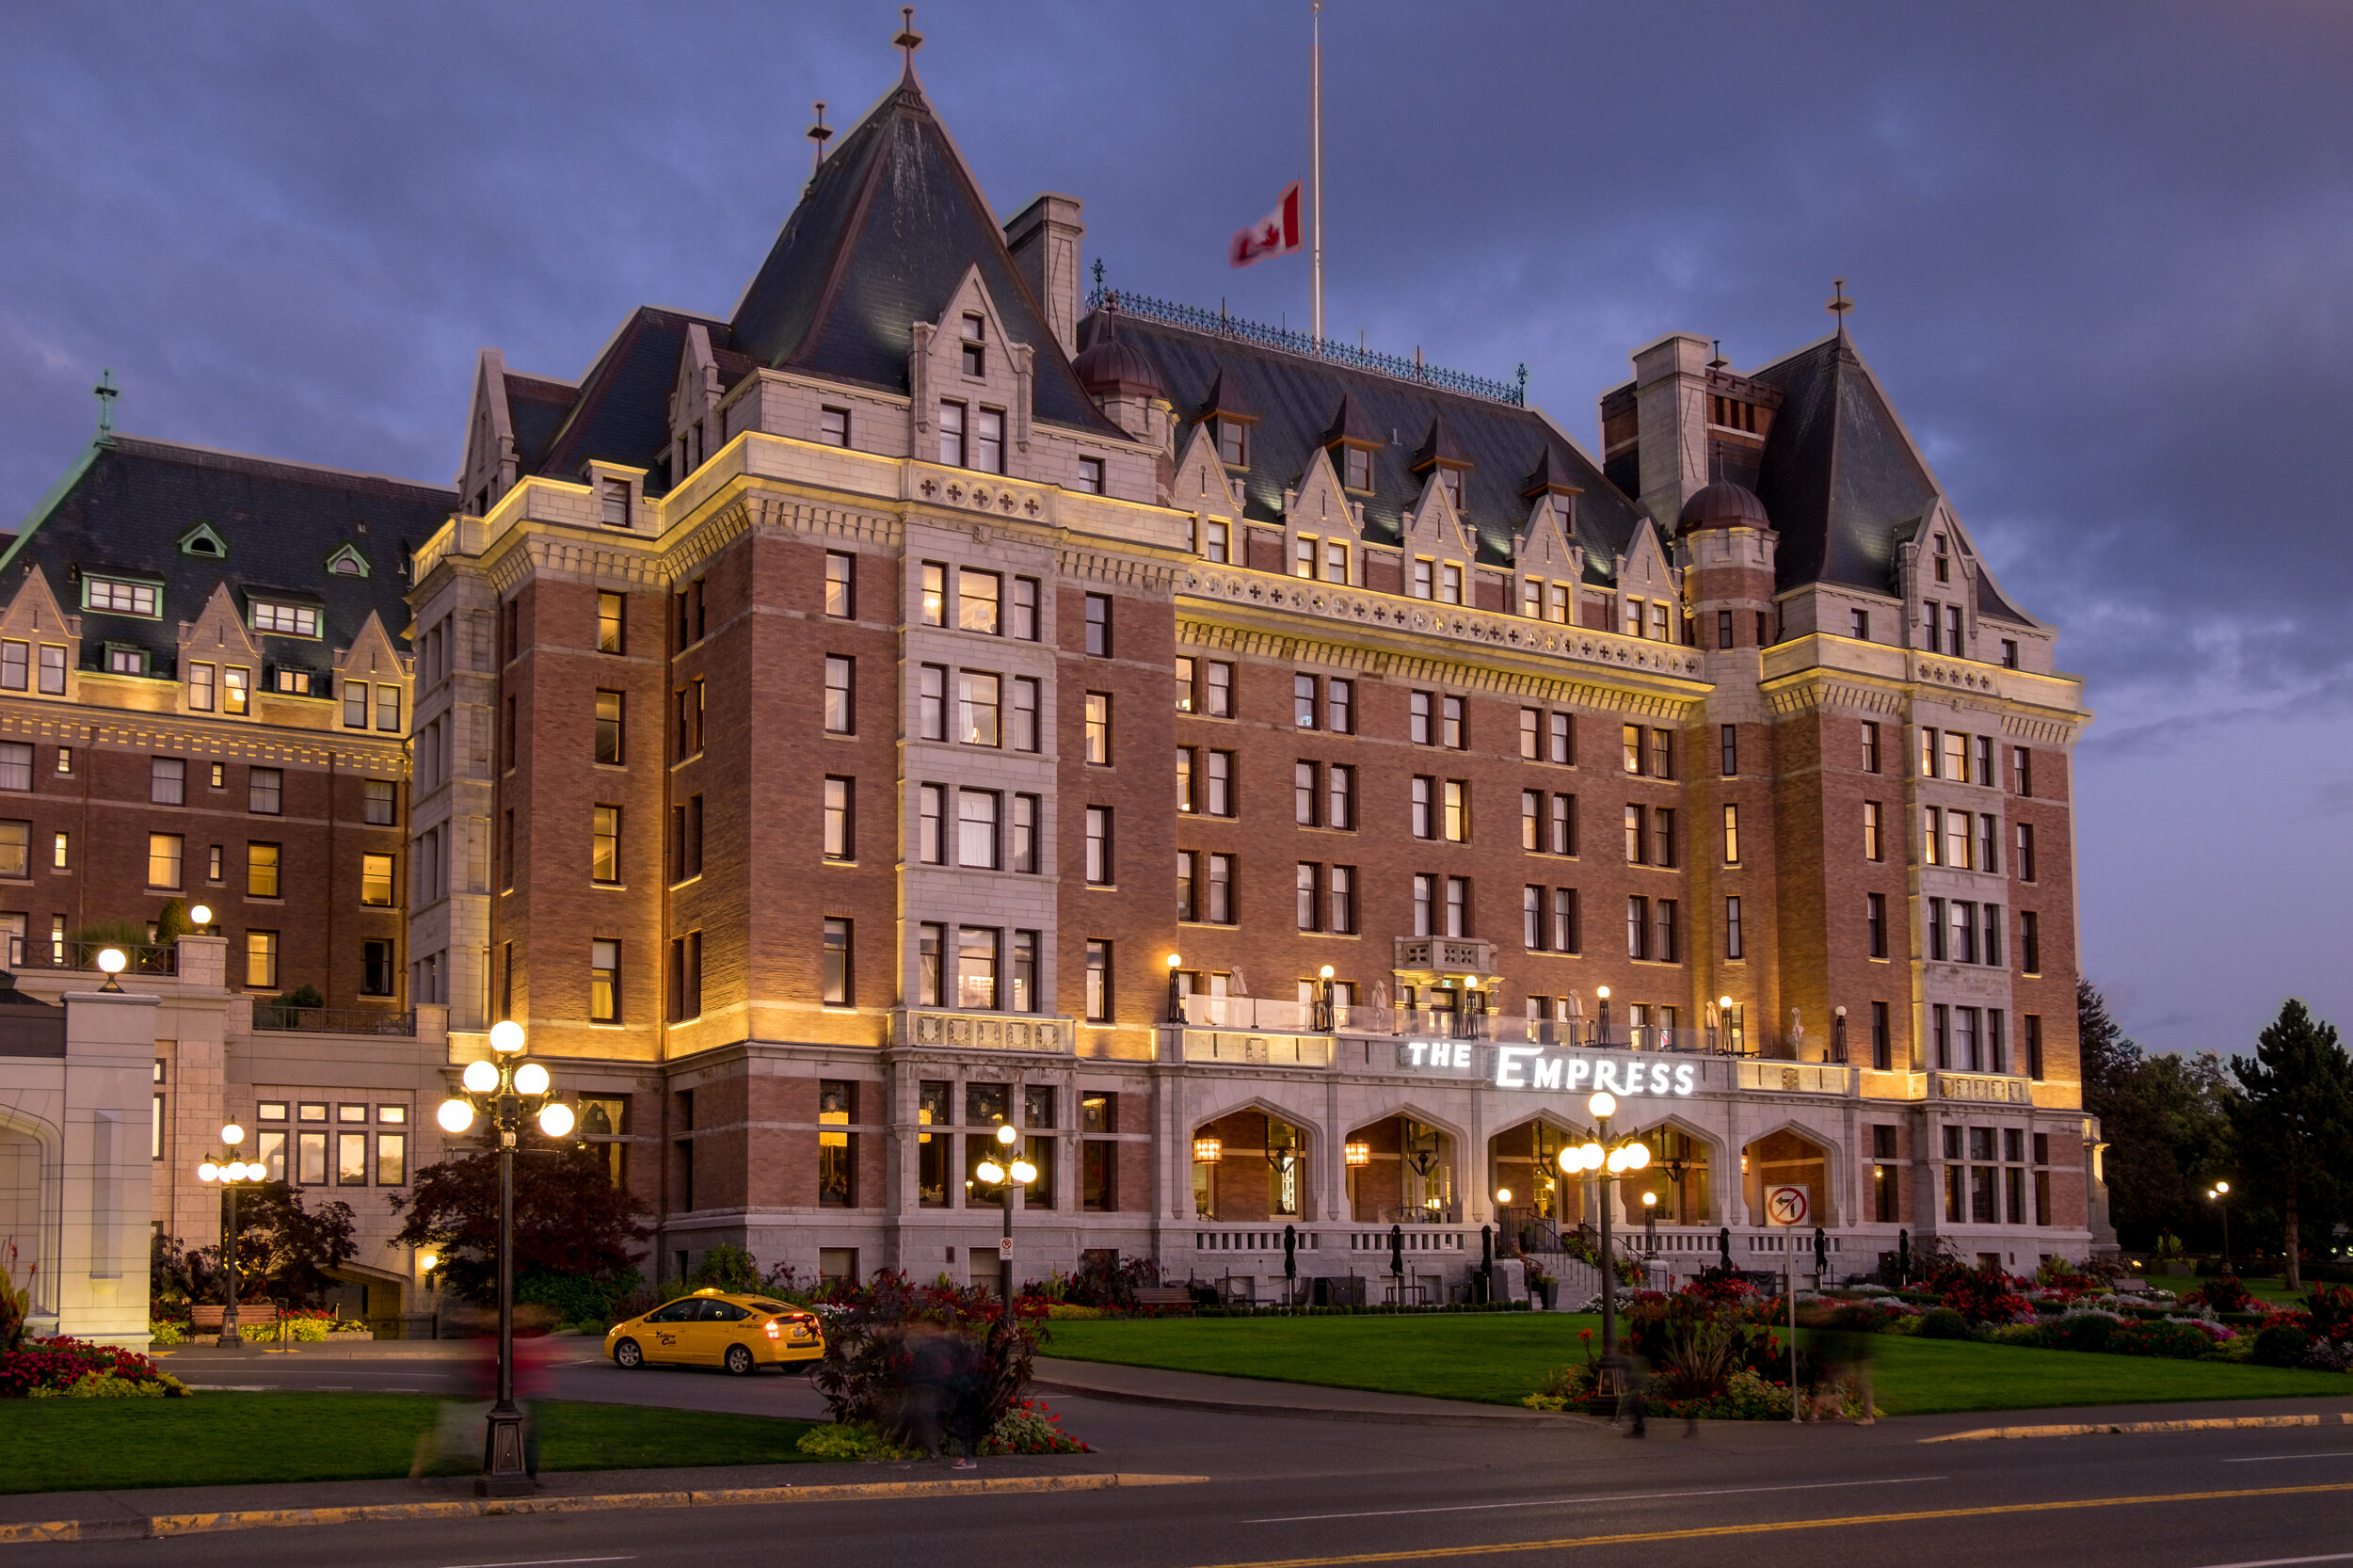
(1250, 1166)
(1786, 1157)
(1678, 1179)
(1400, 1170)
(1528, 1189)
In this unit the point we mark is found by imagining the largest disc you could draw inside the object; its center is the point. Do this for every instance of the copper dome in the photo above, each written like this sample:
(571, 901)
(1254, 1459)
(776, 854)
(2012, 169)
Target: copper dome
(1722, 505)
(1109, 365)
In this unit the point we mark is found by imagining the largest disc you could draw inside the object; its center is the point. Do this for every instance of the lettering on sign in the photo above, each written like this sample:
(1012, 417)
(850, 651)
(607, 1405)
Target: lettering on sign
(1004, 1246)
(1531, 1067)
(1444, 1056)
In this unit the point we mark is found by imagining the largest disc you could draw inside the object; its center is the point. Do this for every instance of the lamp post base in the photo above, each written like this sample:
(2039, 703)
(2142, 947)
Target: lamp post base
(503, 1472)
(229, 1339)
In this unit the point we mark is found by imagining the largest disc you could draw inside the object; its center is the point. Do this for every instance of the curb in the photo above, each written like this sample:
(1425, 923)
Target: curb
(2094, 1429)
(1307, 1413)
(163, 1525)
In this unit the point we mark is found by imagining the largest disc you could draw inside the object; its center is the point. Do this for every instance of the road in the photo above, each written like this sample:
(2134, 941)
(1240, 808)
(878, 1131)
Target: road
(1309, 1492)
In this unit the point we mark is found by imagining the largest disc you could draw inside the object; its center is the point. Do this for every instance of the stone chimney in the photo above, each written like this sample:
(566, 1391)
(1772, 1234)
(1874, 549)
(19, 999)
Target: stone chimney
(1045, 238)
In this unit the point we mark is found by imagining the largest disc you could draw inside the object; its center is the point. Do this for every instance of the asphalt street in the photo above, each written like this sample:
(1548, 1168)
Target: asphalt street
(1323, 1491)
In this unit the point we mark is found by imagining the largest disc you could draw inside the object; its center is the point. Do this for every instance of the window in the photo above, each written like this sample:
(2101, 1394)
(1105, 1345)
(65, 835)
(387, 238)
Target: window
(1928, 750)
(1985, 760)
(1090, 476)
(1425, 895)
(1956, 763)
(608, 743)
(951, 433)
(989, 440)
(1638, 928)
(1988, 843)
(1098, 727)
(1567, 935)
(125, 660)
(16, 859)
(264, 790)
(1532, 918)
(1929, 621)
(1186, 800)
(376, 881)
(1532, 820)
(1458, 906)
(1952, 631)
(976, 828)
(261, 960)
(203, 680)
(1956, 840)
(2029, 942)
(167, 781)
(1630, 742)
(604, 844)
(16, 765)
(612, 610)
(1662, 757)
(53, 673)
(1099, 624)
(604, 981)
(1342, 910)
(837, 1162)
(2009, 653)
(1339, 800)
(293, 683)
(1220, 910)
(2021, 771)
(931, 843)
(1025, 609)
(1633, 825)
(1308, 883)
(1220, 801)
(1732, 835)
(1729, 746)
(61, 851)
(1875, 923)
(1454, 824)
(1723, 629)
(1303, 556)
(1302, 702)
(1098, 981)
(838, 972)
(1532, 734)
(1563, 740)
(376, 966)
(1991, 925)
(1874, 845)
(1098, 841)
(839, 837)
(1424, 819)
(976, 708)
(1670, 935)
(974, 355)
(288, 620)
(840, 711)
(1870, 747)
(1937, 949)
(1306, 795)
(977, 595)
(1213, 543)
(376, 802)
(1218, 691)
(1449, 584)
(833, 425)
(1631, 616)
(1189, 885)
(1883, 1042)
(118, 598)
(1859, 625)
(163, 860)
(1421, 708)
(1024, 848)
(1356, 468)
(1451, 731)
(2032, 1024)
(1731, 928)
(1335, 561)
(976, 967)
(1662, 836)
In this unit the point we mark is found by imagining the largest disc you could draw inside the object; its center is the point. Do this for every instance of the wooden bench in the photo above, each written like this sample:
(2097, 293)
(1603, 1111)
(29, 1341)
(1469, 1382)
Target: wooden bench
(251, 1316)
(1164, 1296)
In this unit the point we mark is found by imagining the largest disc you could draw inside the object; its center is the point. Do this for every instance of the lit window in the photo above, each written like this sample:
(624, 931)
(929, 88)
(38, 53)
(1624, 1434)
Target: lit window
(604, 851)
(261, 960)
(285, 620)
(837, 708)
(376, 881)
(977, 594)
(234, 680)
(605, 981)
(260, 871)
(1098, 727)
(611, 614)
(293, 683)
(116, 596)
(609, 732)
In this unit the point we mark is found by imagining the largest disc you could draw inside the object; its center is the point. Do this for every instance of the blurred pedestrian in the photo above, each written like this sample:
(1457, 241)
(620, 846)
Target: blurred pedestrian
(967, 1404)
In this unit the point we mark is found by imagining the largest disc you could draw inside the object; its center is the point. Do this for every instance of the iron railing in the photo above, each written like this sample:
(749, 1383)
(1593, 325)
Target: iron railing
(1327, 349)
(333, 1020)
(30, 952)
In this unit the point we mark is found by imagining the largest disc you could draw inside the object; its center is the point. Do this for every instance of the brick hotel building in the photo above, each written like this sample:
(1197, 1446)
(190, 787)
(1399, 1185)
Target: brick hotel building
(1279, 779)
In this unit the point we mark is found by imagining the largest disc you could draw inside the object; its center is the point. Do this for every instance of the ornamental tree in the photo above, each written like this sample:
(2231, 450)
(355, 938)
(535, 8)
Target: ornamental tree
(570, 1220)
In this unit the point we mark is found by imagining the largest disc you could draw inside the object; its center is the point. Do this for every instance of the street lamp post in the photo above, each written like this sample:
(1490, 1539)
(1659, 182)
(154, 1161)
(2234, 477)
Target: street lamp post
(1175, 1002)
(2220, 1196)
(231, 1177)
(1601, 994)
(1595, 1154)
(1014, 1172)
(508, 1092)
(1322, 1023)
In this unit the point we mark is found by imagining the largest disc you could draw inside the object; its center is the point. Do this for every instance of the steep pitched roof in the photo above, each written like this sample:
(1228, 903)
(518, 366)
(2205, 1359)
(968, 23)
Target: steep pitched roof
(1299, 399)
(1838, 476)
(538, 406)
(622, 412)
(881, 238)
(282, 521)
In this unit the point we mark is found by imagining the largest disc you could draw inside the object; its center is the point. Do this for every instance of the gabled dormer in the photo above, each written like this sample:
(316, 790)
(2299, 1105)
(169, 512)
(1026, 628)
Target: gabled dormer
(40, 646)
(1550, 563)
(1203, 488)
(1441, 458)
(695, 431)
(1650, 590)
(971, 384)
(204, 541)
(372, 682)
(219, 659)
(1440, 550)
(1352, 442)
(1231, 420)
(492, 458)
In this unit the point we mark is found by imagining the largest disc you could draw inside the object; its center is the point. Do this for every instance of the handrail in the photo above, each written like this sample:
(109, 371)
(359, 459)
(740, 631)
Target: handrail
(332, 1020)
(29, 952)
(1330, 350)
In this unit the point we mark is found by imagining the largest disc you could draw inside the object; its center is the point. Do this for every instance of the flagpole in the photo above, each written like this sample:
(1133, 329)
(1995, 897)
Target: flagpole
(1315, 207)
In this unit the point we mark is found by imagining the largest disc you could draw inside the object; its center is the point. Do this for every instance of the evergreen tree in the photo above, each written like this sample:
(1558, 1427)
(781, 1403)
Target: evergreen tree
(2166, 1120)
(2295, 1119)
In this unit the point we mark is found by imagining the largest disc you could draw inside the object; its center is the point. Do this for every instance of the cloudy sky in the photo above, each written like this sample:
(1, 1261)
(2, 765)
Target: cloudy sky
(2102, 255)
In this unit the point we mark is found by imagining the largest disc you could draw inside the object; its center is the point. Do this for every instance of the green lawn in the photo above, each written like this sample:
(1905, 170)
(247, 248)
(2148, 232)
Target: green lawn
(1496, 1358)
(216, 1439)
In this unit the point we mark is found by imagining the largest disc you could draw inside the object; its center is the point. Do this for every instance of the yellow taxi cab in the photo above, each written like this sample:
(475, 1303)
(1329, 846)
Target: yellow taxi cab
(711, 1328)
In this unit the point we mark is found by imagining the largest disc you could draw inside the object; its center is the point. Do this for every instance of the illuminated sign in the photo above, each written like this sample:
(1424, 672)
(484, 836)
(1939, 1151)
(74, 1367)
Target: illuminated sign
(1531, 1067)
(1440, 1056)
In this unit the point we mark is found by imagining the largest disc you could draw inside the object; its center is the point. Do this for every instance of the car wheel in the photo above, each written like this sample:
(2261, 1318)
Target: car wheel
(627, 1357)
(740, 1360)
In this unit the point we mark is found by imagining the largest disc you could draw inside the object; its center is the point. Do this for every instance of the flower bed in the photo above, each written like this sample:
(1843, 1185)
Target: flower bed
(75, 1369)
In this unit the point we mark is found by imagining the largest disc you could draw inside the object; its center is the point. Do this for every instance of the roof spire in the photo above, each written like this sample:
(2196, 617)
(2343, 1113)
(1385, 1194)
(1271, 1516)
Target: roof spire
(819, 133)
(909, 40)
(1719, 361)
(105, 392)
(1839, 305)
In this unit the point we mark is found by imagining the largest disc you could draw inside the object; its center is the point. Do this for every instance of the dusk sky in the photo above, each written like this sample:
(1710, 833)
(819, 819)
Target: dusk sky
(2102, 257)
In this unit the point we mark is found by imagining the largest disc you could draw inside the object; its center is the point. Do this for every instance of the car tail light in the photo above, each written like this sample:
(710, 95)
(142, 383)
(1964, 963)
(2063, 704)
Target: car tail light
(774, 1330)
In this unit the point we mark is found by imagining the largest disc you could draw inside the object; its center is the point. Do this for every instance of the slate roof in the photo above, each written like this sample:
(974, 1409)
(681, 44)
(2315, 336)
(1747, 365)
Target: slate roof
(281, 522)
(622, 412)
(1298, 400)
(881, 238)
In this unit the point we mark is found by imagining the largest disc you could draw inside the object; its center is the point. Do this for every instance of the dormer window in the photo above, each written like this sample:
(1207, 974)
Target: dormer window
(284, 620)
(613, 496)
(1944, 561)
(1233, 443)
(1451, 480)
(833, 425)
(975, 351)
(121, 660)
(293, 683)
(1356, 468)
(120, 598)
(1091, 475)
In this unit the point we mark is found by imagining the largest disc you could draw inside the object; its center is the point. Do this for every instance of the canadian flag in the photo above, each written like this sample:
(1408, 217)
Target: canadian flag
(1276, 234)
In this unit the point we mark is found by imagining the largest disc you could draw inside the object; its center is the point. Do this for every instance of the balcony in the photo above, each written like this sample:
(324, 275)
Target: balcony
(1983, 1088)
(1427, 960)
(269, 1018)
(1793, 1078)
(1003, 1031)
(26, 952)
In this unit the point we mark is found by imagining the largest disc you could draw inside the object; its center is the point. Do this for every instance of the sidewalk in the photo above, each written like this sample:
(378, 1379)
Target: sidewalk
(140, 1515)
(1105, 1380)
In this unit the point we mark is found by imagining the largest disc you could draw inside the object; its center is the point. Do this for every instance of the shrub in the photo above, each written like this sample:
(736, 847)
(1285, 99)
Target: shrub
(853, 1442)
(1029, 1428)
(1065, 1310)
(45, 1367)
(100, 1385)
(2080, 1331)
(726, 1268)
(1945, 1322)
(579, 1298)
(165, 1332)
(2280, 1346)
(2332, 1310)
(2325, 1355)
(2223, 1293)
(864, 1374)
(2181, 1341)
